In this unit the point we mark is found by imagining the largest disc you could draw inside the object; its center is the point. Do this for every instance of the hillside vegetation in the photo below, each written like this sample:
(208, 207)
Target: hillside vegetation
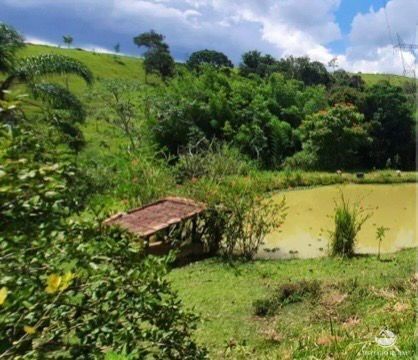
(85, 135)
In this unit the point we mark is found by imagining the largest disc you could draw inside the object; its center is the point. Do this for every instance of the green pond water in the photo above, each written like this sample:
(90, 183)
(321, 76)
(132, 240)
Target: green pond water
(305, 232)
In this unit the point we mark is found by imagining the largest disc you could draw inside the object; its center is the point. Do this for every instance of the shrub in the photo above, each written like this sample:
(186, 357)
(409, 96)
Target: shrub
(215, 162)
(302, 160)
(136, 178)
(348, 220)
(239, 216)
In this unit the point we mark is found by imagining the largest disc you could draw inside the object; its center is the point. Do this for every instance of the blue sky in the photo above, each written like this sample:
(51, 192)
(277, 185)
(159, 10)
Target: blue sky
(354, 31)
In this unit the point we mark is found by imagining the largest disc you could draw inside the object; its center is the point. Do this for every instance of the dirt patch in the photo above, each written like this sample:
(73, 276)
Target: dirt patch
(351, 322)
(333, 298)
(327, 340)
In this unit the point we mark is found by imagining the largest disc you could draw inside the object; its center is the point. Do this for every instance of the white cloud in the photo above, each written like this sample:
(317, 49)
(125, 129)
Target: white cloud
(372, 37)
(38, 41)
(386, 61)
(279, 27)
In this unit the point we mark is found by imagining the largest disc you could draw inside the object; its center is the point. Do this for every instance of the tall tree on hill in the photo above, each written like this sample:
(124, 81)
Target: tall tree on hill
(157, 57)
(68, 40)
(210, 57)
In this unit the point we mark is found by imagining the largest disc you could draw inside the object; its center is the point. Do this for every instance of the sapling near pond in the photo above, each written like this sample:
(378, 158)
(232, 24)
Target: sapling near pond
(380, 235)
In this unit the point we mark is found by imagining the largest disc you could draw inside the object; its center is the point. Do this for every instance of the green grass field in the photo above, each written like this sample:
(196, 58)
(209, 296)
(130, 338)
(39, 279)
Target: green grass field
(356, 300)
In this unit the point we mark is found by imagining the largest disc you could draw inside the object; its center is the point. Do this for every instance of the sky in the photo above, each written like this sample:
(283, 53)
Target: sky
(359, 33)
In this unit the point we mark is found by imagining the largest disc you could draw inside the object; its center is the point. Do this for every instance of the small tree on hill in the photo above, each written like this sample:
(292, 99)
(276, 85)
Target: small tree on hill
(68, 40)
(117, 48)
(157, 57)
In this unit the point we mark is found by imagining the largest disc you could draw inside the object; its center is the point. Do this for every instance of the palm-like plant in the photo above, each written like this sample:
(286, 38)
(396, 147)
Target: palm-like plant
(10, 42)
(31, 70)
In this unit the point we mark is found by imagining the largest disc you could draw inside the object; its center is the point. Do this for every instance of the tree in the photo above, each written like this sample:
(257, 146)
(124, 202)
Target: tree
(303, 69)
(392, 125)
(157, 57)
(210, 57)
(253, 62)
(336, 136)
(343, 78)
(347, 95)
(117, 48)
(119, 108)
(68, 40)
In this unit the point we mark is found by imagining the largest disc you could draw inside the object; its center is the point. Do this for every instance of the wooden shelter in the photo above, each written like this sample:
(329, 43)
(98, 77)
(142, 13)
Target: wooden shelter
(162, 222)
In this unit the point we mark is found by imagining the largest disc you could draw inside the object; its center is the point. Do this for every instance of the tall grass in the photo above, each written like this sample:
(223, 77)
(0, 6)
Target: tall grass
(348, 220)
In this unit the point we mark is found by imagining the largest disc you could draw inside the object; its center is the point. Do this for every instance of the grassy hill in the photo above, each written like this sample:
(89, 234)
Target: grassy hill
(103, 66)
(372, 79)
(106, 66)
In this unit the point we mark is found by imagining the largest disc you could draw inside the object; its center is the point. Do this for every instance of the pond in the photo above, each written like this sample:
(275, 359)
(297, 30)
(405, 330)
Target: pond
(305, 232)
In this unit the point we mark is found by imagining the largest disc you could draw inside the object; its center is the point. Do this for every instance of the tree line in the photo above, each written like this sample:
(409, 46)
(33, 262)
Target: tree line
(289, 112)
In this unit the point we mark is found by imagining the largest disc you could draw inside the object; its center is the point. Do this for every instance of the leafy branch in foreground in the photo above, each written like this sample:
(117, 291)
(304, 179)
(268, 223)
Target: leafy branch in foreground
(10, 42)
(61, 108)
(81, 289)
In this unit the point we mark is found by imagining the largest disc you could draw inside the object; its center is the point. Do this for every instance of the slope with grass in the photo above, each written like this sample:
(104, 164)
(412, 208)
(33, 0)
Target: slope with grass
(103, 66)
(372, 79)
(299, 309)
(106, 66)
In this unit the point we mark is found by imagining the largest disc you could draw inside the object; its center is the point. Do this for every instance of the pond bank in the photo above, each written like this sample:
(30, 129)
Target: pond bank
(270, 181)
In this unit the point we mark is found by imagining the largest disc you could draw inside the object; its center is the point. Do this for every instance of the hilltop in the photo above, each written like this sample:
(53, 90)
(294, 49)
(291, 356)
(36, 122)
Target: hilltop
(105, 66)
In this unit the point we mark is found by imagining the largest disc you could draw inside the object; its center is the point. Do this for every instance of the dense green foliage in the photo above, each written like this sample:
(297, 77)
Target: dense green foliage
(393, 128)
(344, 126)
(81, 289)
(10, 42)
(208, 57)
(335, 137)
